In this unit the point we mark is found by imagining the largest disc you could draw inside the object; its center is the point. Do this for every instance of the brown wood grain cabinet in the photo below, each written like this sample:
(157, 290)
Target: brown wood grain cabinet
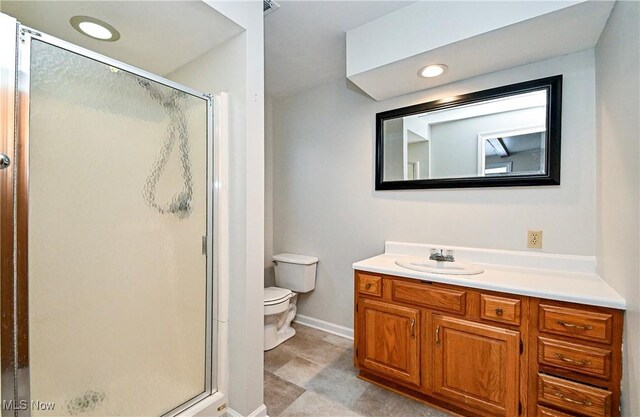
(548, 412)
(370, 284)
(573, 397)
(392, 347)
(575, 357)
(500, 309)
(485, 353)
(477, 364)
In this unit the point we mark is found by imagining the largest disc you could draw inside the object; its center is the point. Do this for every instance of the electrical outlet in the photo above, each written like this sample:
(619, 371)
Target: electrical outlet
(534, 239)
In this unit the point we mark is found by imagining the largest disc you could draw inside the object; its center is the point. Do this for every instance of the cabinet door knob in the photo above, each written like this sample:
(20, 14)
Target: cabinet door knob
(413, 328)
(438, 335)
(4, 161)
(499, 311)
(367, 286)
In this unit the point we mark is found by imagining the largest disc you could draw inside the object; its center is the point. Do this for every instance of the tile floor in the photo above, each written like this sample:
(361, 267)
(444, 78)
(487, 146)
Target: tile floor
(312, 375)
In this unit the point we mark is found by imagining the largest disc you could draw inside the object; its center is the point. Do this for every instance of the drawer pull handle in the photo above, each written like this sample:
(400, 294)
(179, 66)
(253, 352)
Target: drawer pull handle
(574, 326)
(571, 400)
(367, 286)
(499, 311)
(413, 328)
(437, 335)
(572, 361)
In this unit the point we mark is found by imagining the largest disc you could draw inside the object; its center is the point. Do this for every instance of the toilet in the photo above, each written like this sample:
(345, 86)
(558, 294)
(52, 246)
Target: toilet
(294, 274)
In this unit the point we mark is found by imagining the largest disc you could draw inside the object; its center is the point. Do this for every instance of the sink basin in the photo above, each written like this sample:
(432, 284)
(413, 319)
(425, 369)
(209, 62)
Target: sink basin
(438, 267)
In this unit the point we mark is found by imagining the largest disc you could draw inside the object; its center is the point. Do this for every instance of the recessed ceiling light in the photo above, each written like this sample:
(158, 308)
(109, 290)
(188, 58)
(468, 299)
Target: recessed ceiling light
(95, 28)
(432, 70)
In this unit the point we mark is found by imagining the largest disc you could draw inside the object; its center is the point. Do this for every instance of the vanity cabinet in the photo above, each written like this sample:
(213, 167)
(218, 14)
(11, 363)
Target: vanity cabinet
(476, 364)
(575, 359)
(393, 345)
(485, 353)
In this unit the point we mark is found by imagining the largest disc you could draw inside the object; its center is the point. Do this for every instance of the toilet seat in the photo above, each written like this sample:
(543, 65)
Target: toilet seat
(276, 295)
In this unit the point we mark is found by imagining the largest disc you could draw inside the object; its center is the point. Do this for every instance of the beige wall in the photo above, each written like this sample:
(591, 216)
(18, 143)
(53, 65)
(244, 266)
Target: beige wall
(269, 277)
(324, 203)
(618, 177)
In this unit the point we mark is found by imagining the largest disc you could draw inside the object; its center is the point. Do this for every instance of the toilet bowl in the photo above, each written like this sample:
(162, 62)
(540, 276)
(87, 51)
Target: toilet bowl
(293, 273)
(279, 311)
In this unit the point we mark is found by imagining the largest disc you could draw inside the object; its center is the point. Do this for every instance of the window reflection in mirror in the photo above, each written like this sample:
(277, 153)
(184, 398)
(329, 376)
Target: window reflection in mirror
(512, 154)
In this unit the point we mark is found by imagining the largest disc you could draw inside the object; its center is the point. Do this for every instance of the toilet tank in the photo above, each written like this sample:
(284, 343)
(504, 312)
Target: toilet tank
(295, 272)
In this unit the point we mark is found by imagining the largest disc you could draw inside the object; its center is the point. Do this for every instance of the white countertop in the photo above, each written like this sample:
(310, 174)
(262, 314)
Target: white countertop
(565, 278)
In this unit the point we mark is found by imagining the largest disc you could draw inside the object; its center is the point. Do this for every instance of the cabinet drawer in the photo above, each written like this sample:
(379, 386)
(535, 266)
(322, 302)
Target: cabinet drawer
(429, 296)
(574, 397)
(578, 358)
(582, 324)
(370, 284)
(500, 309)
(547, 412)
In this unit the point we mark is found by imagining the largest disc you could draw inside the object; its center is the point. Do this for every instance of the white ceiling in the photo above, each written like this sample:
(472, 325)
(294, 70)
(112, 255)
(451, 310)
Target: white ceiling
(305, 40)
(157, 36)
(565, 31)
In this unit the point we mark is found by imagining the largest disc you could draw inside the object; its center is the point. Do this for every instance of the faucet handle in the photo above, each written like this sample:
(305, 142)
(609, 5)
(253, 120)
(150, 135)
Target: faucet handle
(433, 251)
(449, 252)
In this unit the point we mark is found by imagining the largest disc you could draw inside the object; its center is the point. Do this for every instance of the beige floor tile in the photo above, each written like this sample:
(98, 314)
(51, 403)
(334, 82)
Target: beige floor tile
(338, 341)
(322, 364)
(340, 387)
(277, 357)
(279, 394)
(344, 362)
(315, 346)
(378, 402)
(311, 404)
(299, 371)
(306, 334)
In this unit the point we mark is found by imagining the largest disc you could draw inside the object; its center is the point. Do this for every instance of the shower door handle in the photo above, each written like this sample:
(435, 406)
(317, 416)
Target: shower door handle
(5, 161)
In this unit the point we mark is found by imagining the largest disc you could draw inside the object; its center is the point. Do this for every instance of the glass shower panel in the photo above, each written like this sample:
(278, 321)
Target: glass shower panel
(117, 212)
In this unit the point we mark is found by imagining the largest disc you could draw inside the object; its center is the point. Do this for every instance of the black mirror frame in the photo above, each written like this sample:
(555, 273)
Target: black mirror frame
(553, 85)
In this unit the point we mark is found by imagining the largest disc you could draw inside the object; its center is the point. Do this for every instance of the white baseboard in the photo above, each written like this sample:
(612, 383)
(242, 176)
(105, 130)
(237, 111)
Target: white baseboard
(258, 412)
(325, 326)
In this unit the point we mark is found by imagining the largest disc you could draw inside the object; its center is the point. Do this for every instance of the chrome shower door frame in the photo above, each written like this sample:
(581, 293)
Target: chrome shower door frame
(8, 357)
(14, 222)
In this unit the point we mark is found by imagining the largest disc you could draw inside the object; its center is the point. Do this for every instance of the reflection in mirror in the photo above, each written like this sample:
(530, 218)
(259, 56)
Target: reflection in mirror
(512, 154)
(504, 136)
(483, 137)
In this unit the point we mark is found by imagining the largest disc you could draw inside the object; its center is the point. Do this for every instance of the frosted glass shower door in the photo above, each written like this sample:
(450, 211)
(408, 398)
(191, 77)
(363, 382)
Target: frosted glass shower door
(119, 287)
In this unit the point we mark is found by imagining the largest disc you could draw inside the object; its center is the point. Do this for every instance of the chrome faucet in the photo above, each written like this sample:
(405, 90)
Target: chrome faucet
(440, 256)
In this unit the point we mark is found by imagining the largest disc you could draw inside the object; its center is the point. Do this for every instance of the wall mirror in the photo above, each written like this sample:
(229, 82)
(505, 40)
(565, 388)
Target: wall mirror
(505, 136)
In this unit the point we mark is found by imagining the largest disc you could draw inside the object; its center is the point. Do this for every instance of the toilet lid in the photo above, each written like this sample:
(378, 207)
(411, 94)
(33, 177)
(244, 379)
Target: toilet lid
(273, 295)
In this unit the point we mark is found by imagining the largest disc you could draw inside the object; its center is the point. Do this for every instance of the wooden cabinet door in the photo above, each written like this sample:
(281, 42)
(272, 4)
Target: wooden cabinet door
(389, 340)
(477, 365)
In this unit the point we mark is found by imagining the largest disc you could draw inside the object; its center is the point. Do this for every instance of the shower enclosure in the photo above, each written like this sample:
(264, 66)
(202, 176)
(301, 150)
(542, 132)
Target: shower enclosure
(107, 292)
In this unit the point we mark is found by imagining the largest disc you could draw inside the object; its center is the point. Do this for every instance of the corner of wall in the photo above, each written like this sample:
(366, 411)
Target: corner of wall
(269, 278)
(245, 85)
(618, 178)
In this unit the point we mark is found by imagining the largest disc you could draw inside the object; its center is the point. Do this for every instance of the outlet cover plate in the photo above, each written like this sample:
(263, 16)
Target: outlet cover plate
(534, 239)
